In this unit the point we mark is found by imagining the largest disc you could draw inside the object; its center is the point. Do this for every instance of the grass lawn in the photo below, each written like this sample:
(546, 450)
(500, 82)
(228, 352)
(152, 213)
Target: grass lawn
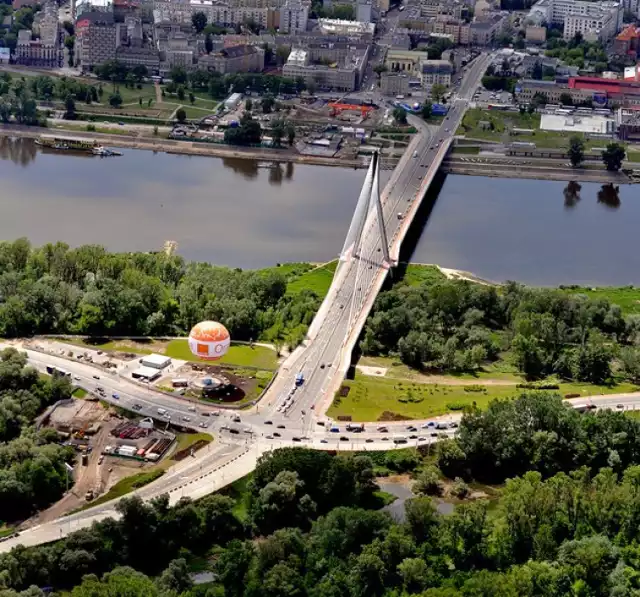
(130, 96)
(79, 393)
(239, 492)
(317, 279)
(124, 486)
(186, 440)
(628, 297)
(240, 355)
(420, 274)
(458, 149)
(4, 530)
(370, 397)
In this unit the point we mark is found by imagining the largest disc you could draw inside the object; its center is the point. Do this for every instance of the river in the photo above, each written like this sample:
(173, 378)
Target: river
(242, 214)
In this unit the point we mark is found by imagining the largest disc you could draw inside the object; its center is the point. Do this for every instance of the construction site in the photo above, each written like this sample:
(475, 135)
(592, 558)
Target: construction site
(110, 447)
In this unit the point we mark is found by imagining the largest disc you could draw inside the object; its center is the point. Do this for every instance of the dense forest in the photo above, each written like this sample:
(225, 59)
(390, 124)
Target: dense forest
(460, 326)
(55, 289)
(32, 465)
(311, 524)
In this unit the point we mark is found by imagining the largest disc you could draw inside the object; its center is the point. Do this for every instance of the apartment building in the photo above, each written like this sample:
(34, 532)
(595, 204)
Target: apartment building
(485, 33)
(133, 56)
(400, 61)
(95, 39)
(434, 8)
(293, 16)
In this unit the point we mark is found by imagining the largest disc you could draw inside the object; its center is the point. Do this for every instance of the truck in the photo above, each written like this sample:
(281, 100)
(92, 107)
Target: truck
(299, 379)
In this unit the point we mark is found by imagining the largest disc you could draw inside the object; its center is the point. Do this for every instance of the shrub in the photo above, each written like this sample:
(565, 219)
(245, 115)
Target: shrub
(456, 405)
(459, 489)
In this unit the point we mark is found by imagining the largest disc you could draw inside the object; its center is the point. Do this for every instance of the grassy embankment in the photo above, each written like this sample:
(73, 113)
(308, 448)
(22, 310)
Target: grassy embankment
(409, 393)
(502, 124)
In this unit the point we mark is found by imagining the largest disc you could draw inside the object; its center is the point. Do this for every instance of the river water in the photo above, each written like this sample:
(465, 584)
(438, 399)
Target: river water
(241, 214)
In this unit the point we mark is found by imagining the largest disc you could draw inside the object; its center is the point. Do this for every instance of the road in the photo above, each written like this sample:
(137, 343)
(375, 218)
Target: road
(288, 416)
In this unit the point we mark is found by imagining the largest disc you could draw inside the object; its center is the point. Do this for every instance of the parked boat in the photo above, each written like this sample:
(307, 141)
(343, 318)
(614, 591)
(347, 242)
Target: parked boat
(104, 151)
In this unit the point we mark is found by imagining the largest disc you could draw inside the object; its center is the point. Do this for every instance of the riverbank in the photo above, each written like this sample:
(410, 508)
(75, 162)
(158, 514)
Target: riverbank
(532, 169)
(185, 147)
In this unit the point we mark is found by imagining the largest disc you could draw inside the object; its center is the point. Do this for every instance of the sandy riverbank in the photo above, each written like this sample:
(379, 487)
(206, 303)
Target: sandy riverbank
(185, 147)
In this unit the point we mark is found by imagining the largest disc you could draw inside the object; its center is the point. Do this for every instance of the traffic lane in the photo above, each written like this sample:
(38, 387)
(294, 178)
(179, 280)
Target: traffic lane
(128, 394)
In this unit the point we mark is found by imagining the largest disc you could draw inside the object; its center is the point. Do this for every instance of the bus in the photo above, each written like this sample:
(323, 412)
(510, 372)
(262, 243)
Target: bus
(51, 370)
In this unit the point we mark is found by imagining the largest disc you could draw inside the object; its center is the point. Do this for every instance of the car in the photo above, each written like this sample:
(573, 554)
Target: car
(192, 409)
(620, 406)
(422, 439)
(385, 439)
(453, 425)
(269, 437)
(204, 424)
(399, 440)
(411, 428)
(268, 422)
(344, 438)
(426, 425)
(413, 437)
(96, 377)
(321, 365)
(368, 441)
(215, 413)
(236, 419)
(205, 413)
(434, 434)
(276, 434)
(101, 459)
(324, 441)
(296, 439)
(121, 123)
(234, 431)
(321, 423)
(115, 396)
(137, 406)
(76, 378)
(186, 419)
(281, 427)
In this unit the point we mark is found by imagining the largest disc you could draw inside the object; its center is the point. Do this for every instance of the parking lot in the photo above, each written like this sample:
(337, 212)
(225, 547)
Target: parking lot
(483, 97)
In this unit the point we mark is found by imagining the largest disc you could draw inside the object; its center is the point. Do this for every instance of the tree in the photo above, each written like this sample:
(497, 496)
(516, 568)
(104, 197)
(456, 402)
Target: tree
(69, 108)
(192, 98)
(181, 92)
(379, 69)
(181, 115)
(267, 103)
(277, 132)
(613, 156)
(178, 75)
(566, 99)
(438, 92)
(199, 21)
(176, 577)
(426, 110)
(115, 100)
(291, 134)
(576, 150)
(428, 481)
(400, 116)
(208, 43)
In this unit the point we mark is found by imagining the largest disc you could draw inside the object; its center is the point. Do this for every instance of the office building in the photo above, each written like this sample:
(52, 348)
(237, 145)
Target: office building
(596, 21)
(342, 76)
(435, 71)
(394, 83)
(235, 59)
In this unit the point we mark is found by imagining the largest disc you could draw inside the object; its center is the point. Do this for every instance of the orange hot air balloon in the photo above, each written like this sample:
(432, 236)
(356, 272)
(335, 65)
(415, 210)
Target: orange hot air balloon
(209, 340)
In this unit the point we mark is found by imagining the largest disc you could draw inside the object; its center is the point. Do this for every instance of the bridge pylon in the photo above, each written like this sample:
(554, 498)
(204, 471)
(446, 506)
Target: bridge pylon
(368, 201)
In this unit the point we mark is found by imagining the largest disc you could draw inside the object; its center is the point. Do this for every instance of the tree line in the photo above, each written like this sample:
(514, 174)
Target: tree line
(32, 465)
(456, 325)
(550, 534)
(55, 289)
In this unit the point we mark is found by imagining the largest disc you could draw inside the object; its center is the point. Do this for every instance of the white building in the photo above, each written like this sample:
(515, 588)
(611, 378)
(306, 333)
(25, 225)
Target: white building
(340, 27)
(155, 361)
(594, 20)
